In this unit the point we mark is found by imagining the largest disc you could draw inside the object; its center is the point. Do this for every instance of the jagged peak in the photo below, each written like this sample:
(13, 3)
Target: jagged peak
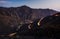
(24, 6)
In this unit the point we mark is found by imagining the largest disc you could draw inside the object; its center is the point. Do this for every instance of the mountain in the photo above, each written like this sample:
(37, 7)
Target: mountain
(50, 26)
(26, 13)
(14, 16)
(51, 22)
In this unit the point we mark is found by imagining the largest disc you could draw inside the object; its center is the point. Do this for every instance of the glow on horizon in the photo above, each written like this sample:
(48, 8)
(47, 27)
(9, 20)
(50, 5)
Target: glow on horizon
(51, 4)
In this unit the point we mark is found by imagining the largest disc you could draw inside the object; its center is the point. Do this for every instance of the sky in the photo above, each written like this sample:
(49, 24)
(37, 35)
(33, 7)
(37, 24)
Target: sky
(51, 4)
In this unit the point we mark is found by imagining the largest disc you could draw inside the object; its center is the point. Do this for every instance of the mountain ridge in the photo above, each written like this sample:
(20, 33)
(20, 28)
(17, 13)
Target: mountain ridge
(14, 16)
(26, 13)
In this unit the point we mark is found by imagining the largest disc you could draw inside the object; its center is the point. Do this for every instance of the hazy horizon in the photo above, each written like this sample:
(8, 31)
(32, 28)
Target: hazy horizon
(51, 4)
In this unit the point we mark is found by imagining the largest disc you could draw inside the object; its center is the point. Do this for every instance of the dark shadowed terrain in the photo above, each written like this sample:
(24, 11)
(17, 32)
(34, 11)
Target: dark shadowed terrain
(22, 23)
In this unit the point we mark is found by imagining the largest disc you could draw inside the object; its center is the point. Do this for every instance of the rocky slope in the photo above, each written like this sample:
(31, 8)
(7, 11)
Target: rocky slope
(14, 16)
(26, 13)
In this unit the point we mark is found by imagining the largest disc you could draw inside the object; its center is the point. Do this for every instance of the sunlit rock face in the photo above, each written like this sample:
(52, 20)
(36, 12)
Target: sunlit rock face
(57, 14)
(39, 21)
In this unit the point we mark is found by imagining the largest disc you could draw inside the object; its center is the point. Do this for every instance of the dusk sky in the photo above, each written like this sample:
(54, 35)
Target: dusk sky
(52, 4)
